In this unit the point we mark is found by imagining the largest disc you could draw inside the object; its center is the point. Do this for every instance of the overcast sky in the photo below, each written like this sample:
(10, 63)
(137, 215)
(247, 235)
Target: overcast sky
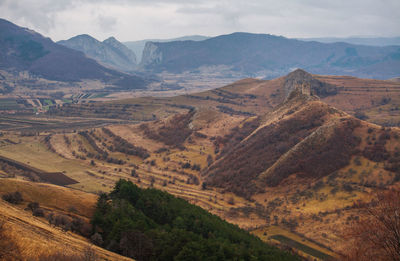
(141, 19)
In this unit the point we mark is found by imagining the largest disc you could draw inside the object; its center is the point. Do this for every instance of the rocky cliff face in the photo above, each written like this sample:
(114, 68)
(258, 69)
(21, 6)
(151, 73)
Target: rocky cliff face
(127, 53)
(109, 52)
(301, 82)
(298, 81)
(151, 55)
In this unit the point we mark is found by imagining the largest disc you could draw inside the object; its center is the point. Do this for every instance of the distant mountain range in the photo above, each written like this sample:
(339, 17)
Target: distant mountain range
(138, 46)
(372, 41)
(271, 56)
(22, 49)
(110, 52)
(240, 54)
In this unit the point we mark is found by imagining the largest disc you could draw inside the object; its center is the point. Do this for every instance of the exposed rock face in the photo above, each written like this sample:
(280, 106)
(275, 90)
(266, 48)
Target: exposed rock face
(298, 81)
(151, 55)
(119, 47)
(109, 52)
(301, 82)
(138, 46)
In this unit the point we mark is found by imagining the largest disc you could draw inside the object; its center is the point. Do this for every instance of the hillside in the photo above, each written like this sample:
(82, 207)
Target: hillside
(110, 52)
(376, 101)
(148, 224)
(138, 46)
(62, 208)
(304, 162)
(35, 238)
(25, 50)
(271, 56)
(303, 139)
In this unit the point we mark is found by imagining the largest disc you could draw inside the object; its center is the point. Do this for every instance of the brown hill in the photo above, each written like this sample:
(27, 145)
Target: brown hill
(374, 100)
(277, 134)
(304, 138)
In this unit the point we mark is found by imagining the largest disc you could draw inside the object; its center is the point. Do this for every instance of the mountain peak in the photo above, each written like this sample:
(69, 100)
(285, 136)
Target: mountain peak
(110, 52)
(111, 39)
(83, 36)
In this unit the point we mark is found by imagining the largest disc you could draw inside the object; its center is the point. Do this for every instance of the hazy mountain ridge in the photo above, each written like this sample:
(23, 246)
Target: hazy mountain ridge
(138, 46)
(110, 52)
(372, 41)
(25, 50)
(252, 54)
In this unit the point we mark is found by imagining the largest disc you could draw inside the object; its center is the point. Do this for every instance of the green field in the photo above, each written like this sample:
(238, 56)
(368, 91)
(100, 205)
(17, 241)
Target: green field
(306, 249)
(9, 104)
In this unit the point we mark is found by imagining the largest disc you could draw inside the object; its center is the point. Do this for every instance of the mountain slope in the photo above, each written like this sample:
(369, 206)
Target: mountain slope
(303, 138)
(25, 50)
(148, 224)
(34, 236)
(110, 52)
(138, 46)
(271, 56)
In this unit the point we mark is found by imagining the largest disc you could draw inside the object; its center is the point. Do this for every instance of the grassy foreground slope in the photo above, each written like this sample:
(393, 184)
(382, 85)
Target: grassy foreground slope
(148, 224)
(34, 237)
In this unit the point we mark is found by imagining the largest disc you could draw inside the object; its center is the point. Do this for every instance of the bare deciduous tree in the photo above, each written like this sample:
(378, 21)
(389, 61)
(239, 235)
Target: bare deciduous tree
(376, 236)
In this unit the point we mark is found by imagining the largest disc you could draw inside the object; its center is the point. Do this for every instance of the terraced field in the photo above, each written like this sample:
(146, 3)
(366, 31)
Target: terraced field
(304, 246)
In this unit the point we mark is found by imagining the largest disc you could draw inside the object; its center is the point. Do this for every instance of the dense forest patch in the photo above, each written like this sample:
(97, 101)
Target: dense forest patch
(148, 224)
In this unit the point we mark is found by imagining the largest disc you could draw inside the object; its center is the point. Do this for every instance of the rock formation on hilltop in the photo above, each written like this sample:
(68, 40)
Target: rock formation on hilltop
(300, 81)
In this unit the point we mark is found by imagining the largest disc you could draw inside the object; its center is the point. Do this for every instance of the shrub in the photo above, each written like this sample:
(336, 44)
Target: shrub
(97, 239)
(38, 212)
(32, 206)
(13, 198)
(360, 115)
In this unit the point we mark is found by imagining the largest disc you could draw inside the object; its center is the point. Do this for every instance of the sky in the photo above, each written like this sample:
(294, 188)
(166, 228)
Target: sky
(130, 20)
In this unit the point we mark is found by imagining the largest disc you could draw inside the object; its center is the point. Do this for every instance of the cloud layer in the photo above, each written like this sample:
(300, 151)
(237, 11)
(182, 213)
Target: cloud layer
(140, 19)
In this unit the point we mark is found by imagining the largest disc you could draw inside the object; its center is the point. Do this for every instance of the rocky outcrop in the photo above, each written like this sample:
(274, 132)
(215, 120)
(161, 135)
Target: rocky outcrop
(297, 82)
(301, 82)
(151, 55)
(109, 52)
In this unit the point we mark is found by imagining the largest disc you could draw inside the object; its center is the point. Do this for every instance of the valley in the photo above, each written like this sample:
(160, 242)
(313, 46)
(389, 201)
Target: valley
(198, 148)
(308, 167)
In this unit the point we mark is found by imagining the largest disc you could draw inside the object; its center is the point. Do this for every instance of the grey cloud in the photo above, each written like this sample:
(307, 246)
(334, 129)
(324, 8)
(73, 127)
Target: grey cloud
(295, 18)
(107, 23)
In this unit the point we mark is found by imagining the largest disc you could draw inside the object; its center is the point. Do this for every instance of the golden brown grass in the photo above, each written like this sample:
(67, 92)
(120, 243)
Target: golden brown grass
(33, 235)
